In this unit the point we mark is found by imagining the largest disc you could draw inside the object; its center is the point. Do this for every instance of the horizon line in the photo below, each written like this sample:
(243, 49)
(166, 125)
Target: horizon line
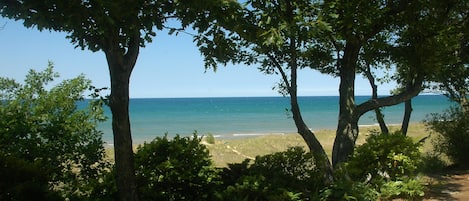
(266, 96)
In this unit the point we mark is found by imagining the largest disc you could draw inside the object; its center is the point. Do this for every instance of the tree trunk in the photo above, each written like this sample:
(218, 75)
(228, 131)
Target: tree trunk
(120, 68)
(374, 95)
(347, 128)
(313, 144)
(380, 118)
(407, 112)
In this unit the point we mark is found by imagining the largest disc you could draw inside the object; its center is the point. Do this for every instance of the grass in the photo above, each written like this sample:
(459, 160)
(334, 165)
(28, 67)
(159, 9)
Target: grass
(225, 151)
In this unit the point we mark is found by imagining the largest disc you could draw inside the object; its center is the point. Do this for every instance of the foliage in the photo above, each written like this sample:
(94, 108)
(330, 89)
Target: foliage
(90, 24)
(44, 126)
(452, 129)
(118, 28)
(288, 175)
(106, 188)
(176, 169)
(384, 158)
(282, 37)
(388, 163)
(23, 181)
(344, 189)
(384, 167)
(256, 188)
(411, 189)
(210, 139)
(432, 163)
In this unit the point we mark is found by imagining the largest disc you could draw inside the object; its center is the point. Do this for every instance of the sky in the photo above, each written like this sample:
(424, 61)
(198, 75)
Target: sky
(170, 66)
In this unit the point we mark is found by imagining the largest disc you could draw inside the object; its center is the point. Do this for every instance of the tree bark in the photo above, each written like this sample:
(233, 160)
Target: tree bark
(374, 95)
(347, 128)
(120, 68)
(349, 112)
(407, 94)
(407, 113)
(308, 136)
(313, 143)
(380, 118)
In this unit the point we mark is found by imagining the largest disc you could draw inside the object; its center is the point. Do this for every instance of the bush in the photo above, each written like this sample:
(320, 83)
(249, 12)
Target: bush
(389, 164)
(23, 181)
(453, 134)
(384, 158)
(411, 189)
(210, 138)
(41, 124)
(289, 175)
(177, 169)
(344, 189)
(432, 163)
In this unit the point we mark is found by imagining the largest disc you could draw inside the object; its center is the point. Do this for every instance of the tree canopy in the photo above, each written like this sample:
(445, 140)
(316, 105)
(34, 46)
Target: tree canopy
(43, 125)
(341, 39)
(119, 29)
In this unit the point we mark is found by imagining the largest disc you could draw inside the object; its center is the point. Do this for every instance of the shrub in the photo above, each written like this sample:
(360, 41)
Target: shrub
(43, 125)
(23, 181)
(384, 158)
(210, 139)
(344, 189)
(288, 175)
(256, 187)
(382, 168)
(177, 169)
(432, 163)
(411, 189)
(453, 139)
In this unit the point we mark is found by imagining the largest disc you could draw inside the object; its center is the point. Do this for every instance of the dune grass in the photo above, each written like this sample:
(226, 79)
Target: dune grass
(226, 151)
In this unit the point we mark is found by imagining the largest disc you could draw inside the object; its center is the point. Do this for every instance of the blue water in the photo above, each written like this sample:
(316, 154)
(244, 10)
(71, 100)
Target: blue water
(250, 115)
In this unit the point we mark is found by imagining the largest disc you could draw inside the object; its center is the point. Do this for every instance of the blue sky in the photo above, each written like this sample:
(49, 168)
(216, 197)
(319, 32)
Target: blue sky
(170, 66)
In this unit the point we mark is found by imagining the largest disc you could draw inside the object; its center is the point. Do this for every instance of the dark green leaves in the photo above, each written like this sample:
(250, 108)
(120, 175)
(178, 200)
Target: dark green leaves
(42, 124)
(92, 24)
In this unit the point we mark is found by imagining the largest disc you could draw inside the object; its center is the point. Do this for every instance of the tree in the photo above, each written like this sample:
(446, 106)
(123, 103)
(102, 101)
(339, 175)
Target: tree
(353, 33)
(334, 37)
(271, 34)
(119, 29)
(45, 128)
(373, 55)
(453, 81)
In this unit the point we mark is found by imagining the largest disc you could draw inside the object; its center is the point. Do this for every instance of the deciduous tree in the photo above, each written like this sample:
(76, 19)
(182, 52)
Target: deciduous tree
(44, 127)
(118, 28)
(334, 37)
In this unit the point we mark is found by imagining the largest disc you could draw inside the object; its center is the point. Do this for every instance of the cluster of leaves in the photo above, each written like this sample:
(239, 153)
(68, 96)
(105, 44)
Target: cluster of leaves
(384, 157)
(346, 189)
(23, 180)
(288, 175)
(176, 169)
(384, 167)
(45, 128)
(453, 129)
(180, 169)
(210, 138)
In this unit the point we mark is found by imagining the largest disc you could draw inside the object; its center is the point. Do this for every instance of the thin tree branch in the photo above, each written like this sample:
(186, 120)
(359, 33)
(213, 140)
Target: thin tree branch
(409, 93)
(282, 72)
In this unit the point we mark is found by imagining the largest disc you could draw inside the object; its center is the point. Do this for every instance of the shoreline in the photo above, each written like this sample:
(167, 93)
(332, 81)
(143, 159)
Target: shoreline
(236, 149)
(246, 135)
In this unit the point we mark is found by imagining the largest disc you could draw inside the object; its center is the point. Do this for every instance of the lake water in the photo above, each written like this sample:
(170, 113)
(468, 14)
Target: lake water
(245, 116)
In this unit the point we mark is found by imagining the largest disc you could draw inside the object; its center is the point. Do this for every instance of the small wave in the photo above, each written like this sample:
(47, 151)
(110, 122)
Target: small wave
(372, 125)
(255, 134)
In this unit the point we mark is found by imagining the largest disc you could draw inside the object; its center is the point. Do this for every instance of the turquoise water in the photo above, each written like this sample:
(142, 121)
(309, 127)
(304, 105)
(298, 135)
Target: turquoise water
(227, 117)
